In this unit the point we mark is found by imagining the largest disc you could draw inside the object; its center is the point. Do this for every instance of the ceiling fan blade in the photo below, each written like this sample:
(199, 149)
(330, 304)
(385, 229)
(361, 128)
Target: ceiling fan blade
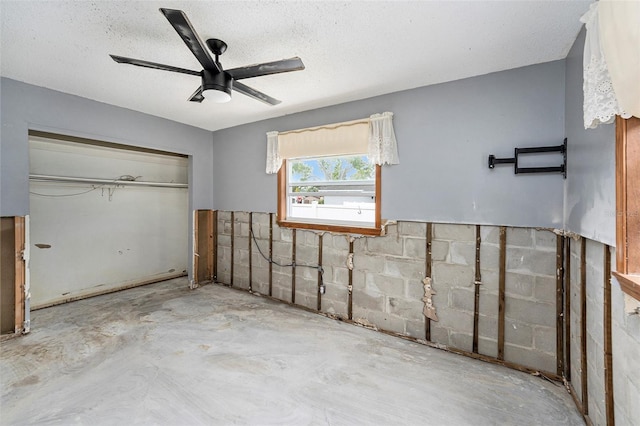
(183, 27)
(275, 67)
(253, 93)
(154, 65)
(197, 96)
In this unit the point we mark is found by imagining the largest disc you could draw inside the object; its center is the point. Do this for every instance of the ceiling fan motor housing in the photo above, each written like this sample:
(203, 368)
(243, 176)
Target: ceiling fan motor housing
(214, 80)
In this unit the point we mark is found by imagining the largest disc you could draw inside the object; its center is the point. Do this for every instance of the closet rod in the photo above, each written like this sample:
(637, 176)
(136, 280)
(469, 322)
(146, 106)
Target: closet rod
(49, 178)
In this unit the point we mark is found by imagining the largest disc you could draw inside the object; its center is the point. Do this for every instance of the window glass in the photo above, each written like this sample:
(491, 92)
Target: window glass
(331, 190)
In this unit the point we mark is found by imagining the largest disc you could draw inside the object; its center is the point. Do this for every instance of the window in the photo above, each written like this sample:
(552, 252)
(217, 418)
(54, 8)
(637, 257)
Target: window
(329, 176)
(628, 205)
(335, 193)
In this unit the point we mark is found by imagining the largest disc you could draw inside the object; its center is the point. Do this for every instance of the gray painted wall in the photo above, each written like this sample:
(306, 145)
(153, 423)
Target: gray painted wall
(445, 133)
(25, 107)
(591, 177)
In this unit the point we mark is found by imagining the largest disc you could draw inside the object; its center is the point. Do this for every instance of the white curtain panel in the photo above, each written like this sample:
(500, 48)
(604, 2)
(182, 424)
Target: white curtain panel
(383, 147)
(620, 42)
(274, 161)
(611, 61)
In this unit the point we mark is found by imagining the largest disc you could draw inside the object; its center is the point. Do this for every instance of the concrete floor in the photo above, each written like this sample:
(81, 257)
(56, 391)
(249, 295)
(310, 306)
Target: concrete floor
(163, 354)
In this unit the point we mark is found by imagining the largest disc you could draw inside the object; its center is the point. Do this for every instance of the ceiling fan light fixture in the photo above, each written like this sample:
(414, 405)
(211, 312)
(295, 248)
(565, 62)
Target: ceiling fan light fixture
(216, 86)
(216, 95)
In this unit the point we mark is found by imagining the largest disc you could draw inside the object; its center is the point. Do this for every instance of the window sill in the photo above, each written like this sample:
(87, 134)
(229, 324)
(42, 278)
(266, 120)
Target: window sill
(630, 284)
(343, 229)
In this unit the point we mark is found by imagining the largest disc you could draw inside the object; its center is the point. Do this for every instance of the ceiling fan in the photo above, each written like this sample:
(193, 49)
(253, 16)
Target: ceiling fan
(217, 82)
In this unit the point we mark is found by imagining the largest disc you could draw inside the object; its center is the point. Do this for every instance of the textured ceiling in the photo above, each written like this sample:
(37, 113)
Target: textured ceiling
(352, 50)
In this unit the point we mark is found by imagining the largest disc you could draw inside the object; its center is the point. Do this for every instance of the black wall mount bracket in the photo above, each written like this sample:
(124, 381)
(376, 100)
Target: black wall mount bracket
(561, 149)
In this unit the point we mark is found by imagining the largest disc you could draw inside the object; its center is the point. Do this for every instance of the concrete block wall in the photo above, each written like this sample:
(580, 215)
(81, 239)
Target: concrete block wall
(387, 276)
(241, 243)
(530, 292)
(453, 270)
(335, 251)
(307, 250)
(387, 279)
(625, 346)
(530, 298)
(595, 331)
(259, 265)
(224, 247)
(575, 334)
(626, 359)
(282, 255)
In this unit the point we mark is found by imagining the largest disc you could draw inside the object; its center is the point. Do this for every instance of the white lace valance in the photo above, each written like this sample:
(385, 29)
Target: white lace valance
(373, 136)
(600, 101)
(274, 161)
(620, 41)
(383, 148)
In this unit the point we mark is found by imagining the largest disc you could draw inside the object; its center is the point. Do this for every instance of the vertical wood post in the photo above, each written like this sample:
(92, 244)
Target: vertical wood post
(293, 268)
(233, 230)
(501, 291)
(583, 325)
(428, 272)
(608, 344)
(270, 254)
(559, 305)
(350, 301)
(477, 283)
(20, 273)
(214, 277)
(567, 309)
(320, 277)
(250, 248)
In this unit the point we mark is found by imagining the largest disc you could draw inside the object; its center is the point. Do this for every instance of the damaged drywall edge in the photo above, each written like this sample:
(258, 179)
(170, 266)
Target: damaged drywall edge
(562, 233)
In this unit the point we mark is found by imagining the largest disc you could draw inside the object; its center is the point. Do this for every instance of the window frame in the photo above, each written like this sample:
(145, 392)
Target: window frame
(284, 222)
(627, 188)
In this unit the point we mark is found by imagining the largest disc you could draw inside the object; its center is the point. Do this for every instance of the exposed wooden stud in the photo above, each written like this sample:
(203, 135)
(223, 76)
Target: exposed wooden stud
(196, 248)
(250, 248)
(501, 291)
(210, 244)
(320, 277)
(270, 254)
(583, 325)
(293, 268)
(350, 288)
(559, 305)
(20, 273)
(8, 286)
(215, 246)
(427, 268)
(608, 342)
(476, 300)
(233, 228)
(203, 239)
(567, 309)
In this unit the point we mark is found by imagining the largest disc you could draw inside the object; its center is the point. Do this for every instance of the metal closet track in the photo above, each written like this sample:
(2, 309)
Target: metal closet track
(69, 179)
